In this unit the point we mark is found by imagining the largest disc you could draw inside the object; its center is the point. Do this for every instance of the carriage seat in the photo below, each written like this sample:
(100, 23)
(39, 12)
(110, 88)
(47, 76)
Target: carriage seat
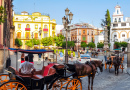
(46, 71)
(14, 71)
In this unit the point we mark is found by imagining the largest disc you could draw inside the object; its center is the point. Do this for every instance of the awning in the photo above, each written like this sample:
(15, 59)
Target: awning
(30, 51)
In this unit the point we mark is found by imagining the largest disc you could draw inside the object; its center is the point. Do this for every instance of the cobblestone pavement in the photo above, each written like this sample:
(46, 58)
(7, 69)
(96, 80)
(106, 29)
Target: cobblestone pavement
(102, 81)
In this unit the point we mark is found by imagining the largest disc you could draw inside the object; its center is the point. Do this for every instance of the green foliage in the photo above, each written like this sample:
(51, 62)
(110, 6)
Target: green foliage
(59, 40)
(123, 44)
(91, 45)
(108, 23)
(83, 44)
(100, 45)
(54, 51)
(29, 43)
(3, 14)
(18, 42)
(63, 44)
(47, 41)
(63, 51)
(69, 53)
(35, 42)
(74, 54)
(118, 45)
(109, 45)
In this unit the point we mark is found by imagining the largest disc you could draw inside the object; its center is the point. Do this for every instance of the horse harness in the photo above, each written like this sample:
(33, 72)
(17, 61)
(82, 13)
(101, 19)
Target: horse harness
(90, 64)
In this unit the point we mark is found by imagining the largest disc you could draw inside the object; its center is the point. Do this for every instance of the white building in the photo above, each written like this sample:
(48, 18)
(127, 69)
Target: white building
(120, 28)
(58, 28)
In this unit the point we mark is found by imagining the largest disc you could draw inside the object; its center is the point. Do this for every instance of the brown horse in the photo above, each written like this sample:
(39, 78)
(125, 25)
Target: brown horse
(117, 63)
(88, 68)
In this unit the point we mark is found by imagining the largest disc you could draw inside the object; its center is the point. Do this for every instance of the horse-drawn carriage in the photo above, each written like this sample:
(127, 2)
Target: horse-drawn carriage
(94, 53)
(55, 76)
(115, 60)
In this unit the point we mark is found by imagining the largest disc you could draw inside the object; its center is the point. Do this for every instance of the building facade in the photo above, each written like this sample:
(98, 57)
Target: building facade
(27, 26)
(120, 28)
(83, 32)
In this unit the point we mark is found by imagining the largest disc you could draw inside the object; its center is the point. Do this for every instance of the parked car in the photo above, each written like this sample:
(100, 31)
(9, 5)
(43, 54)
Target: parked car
(84, 58)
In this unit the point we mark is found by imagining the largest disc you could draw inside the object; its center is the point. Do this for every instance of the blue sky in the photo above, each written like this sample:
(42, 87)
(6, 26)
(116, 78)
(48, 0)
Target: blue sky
(87, 11)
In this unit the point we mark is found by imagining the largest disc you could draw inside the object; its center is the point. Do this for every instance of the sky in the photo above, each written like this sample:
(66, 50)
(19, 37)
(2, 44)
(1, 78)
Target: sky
(85, 11)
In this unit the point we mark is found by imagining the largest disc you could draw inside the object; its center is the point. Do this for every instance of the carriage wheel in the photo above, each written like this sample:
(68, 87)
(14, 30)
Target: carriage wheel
(12, 85)
(74, 84)
(4, 78)
(105, 65)
(121, 67)
(56, 85)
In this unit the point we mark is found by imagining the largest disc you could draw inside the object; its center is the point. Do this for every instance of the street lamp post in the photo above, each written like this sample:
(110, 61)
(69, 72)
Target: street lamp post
(40, 31)
(65, 22)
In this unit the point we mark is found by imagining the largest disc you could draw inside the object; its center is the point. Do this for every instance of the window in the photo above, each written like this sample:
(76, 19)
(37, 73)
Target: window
(27, 26)
(119, 20)
(83, 31)
(45, 26)
(36, 26)
(117, 12)
(123, 35)
(27, 35)
(123, 24)
(115, 25)
(53, 27)
(84, 38)
(115, 20)
(19, 35)
(92, 32)
(115, 35)
(16, 18)
(79, 32)
(36, 35)
(19, 25)
(88, 32)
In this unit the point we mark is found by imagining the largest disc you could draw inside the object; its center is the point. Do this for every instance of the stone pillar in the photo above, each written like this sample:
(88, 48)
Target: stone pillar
(128, 55)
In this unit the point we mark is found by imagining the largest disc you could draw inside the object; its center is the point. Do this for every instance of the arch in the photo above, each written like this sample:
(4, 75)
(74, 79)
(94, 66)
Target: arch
(124, 31)
(128, 34)
(116, 32)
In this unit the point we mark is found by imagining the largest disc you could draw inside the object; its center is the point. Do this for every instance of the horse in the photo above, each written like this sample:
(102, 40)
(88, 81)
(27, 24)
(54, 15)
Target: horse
(117, 63)
(89, 68)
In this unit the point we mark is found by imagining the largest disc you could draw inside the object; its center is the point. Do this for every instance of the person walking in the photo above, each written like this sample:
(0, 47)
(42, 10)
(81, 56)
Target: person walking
(31, 58)
(61, 56)
(22, 57)
(105, 55)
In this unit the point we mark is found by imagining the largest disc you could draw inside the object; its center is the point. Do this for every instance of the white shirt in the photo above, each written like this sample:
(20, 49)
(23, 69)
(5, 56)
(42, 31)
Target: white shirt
(26, 67)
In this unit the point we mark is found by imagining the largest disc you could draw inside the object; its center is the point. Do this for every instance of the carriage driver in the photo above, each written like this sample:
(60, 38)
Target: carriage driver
(26, 67)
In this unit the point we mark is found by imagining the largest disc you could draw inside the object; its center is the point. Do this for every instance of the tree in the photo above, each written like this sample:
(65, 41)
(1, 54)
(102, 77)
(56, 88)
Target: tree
(47, 41)
(123, 44)
(29, 43)
(18, 42)
(91, 45)
(70, 44)
(100, 45)
(118, 45)
(108, 22)
(35, 42)
(3, 14)
(59, 40)
(83, 44)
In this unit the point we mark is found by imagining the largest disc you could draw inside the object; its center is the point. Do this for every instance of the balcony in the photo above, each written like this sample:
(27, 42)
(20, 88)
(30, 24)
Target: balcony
(45, 29)
(27, 29)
